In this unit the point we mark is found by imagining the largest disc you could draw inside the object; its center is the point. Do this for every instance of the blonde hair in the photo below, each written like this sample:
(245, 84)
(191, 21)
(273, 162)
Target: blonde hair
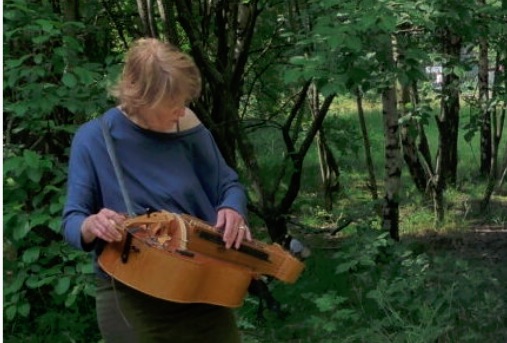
(155, 71)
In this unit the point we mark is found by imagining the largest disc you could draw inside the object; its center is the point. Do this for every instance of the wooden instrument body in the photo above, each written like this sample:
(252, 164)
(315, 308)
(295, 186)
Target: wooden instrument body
(182, 259)
(169, 275)
(259, 257)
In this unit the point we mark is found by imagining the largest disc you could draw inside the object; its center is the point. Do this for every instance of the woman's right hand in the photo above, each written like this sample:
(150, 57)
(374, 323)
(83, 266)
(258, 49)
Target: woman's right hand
(102, 225)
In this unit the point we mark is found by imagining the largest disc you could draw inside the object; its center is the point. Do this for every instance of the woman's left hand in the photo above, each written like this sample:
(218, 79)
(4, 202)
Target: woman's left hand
(233, 226)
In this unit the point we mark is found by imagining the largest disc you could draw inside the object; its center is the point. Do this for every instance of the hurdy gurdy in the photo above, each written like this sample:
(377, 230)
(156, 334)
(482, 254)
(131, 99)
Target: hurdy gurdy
(183, 259)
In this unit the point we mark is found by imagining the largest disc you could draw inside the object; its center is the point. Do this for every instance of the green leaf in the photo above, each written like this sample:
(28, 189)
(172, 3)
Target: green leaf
(55, 207)
(34, 174)
(39, 218)
(16, 63)
(19, 108)
(329, 301)
(38, 58)
(32, 282)
(16, 284)
(85, 268)
(85, 75)
(298, 60)
(63, 285)
(31, 157)
(24, 309)
(345, 267)
(55, 224)
(291, 76)
(21, 231)
(31, 254)
(69, 80)
(41, 39)
(10, 312)
(353, 43)
(46, 25)
(46, 280)
(71, 299)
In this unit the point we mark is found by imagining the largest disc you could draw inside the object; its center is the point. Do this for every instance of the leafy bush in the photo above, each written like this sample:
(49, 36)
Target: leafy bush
(46, 282)
(50, 87)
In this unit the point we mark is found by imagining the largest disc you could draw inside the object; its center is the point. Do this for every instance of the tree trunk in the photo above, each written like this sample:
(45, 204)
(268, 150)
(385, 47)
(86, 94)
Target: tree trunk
(438, 187)
(222, 63)
(498, 120)
(409, 130)
(70, 14)
(273, 203)
(118, 20)
(145, 9)
(372, 183)
(166, 9)
(329, 170)
(392, 164)
(423, 146)
(504, 172)
(492, 182)
(498, 114)
(486, 141)
(295, 159)
(448, 120)
(392, 143)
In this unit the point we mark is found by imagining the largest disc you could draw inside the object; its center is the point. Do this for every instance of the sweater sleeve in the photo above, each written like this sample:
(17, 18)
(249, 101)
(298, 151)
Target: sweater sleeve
(231, 193)
(81, 192)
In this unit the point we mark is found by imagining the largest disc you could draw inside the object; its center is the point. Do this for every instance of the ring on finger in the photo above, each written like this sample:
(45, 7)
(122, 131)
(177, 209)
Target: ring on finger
(242, 227)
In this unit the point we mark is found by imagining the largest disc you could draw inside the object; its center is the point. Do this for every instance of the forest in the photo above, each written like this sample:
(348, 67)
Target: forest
(373, 131)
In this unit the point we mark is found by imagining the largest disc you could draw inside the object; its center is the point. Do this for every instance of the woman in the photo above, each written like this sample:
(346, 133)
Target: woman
(170, 162)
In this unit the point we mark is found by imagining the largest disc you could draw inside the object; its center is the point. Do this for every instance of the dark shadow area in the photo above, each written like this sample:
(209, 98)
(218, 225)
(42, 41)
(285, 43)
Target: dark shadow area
(483, 242)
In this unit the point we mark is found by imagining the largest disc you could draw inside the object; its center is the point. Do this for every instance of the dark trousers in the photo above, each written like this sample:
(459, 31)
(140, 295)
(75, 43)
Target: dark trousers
(126, 315)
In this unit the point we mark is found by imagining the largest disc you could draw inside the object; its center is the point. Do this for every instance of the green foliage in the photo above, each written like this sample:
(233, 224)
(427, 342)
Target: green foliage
(39, 269)
(342, 49)
(50, 87)
(375, 290)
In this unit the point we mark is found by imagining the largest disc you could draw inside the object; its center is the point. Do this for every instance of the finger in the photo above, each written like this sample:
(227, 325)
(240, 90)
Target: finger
(115, 230)
(243, 233)
(232, 230)
(107, 230)
(229, 235)
(248, 234)
(240, 236)
(220, 220)
(110, 222)
(107, 213)
(103, 233)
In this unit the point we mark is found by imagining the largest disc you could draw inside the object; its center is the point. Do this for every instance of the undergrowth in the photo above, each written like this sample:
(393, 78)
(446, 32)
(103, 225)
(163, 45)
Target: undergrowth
(370, 289)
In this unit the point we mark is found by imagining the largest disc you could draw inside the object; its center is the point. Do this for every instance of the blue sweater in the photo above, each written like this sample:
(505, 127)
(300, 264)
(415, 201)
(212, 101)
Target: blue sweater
(180, 172)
